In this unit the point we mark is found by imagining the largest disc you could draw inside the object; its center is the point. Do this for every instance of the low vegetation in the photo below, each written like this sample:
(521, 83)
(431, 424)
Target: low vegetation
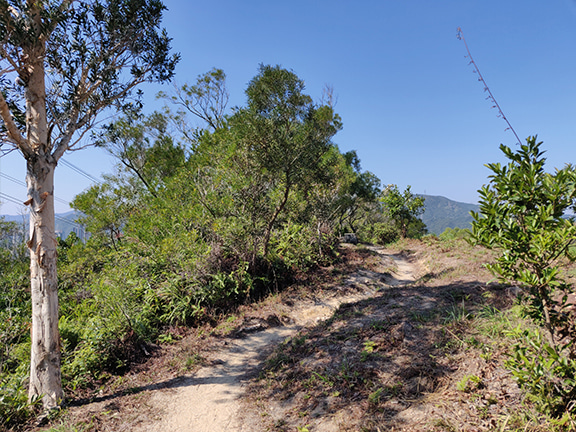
(194, 223)
(523, 218)
(433, 355)
(197, 223)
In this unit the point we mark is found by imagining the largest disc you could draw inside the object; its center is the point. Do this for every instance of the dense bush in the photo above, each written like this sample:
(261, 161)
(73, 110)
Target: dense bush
(191, 225)
(380, 233)
(455, 234)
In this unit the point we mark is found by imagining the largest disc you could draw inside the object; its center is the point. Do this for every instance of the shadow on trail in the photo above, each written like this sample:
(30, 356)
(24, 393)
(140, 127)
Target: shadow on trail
(382, 355)
(239, 365)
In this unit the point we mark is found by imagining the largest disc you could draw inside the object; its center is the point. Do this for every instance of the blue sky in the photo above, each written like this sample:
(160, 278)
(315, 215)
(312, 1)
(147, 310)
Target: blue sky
(410, 103)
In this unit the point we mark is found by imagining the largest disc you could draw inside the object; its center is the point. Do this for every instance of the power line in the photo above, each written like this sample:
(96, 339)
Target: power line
(6, 151)
(80, 171)
(18, 202)
(12, 199)
(6, 176)
(21, 183)
(69, 222)
(64, 162)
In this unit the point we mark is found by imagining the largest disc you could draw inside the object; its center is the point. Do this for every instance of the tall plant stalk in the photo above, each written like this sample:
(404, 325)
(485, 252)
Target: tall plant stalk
(491, 98)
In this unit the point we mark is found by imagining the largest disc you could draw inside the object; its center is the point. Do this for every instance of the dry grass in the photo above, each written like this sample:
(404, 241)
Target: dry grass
(421, 357)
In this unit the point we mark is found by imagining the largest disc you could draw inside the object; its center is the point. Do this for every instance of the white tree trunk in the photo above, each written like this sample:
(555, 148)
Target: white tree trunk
(45, 378)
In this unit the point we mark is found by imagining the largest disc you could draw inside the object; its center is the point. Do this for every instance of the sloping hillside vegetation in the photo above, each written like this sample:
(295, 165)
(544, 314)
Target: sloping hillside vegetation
(441, 213)
(194, 222)
(427, 352)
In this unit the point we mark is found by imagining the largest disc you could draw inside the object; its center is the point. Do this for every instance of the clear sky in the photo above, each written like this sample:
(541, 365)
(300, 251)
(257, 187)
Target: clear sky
(411, 105)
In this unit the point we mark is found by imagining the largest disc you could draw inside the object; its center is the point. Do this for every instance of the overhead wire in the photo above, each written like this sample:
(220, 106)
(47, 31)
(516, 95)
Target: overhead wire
(80, 171)
(19, 203)
(21, 183)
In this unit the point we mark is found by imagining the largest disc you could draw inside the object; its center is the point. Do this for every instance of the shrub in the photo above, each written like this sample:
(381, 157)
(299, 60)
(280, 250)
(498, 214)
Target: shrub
(455, 233)
(14, 406)
(547, 374)
(522, 218)
(381, 233)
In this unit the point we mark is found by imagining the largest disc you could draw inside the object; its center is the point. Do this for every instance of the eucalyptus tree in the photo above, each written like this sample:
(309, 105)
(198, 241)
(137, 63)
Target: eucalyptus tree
(63, 63)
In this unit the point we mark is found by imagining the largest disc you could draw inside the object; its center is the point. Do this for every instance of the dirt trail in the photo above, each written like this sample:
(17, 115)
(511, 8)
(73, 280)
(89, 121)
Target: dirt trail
(209, 400)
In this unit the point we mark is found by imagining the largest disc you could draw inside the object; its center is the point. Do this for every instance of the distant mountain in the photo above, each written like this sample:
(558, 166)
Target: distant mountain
(65, 223)
(441, 213)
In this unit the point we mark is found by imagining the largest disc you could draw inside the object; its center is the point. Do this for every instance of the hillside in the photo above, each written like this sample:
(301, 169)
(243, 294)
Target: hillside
(441, 213)
(409, 338)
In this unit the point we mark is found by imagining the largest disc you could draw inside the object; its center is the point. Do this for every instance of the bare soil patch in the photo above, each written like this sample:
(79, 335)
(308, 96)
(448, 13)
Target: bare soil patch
(408, 359)
(389, 339)
(196, 383)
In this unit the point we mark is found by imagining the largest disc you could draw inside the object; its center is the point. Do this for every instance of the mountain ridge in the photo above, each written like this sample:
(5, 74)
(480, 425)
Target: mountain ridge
(441, 213)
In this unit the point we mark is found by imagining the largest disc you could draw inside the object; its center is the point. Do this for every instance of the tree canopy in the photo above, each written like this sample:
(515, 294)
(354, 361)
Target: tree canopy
(62, 63)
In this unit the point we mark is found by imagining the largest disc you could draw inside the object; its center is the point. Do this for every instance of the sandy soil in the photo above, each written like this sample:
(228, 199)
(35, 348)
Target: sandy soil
(210, 399)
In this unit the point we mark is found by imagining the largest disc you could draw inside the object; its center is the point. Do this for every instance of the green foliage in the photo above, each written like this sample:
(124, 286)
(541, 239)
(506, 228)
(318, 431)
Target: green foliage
(104, 212)
(456, 233)
(194, 222)
(144, 148)
(284, 137)
(357, 199)
(522, 217)
(547, 374)
(95, 54)
(381, 233)
(404, 209)
(297, 246)
(14, 405)
(207, 100)
(469, 383)
(15, 306)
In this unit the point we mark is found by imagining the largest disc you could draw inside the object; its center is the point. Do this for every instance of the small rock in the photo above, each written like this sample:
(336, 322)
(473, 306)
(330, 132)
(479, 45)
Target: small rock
(349, 238)
(274, 321)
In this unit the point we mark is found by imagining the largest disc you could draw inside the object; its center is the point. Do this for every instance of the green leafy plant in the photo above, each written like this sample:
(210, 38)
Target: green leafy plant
(375, 396)
(545, 371)
(368, 350)
(404, 208)
(14, 405)
(522, 217)
(469, 383)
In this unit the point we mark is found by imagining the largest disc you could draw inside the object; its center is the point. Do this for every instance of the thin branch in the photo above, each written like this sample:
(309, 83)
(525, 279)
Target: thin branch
(491, 98)
(15, 66)
(13, 131)
(75, 124)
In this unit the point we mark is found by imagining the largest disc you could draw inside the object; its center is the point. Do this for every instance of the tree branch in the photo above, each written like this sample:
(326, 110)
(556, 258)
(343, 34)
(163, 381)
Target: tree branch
(13, 131)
